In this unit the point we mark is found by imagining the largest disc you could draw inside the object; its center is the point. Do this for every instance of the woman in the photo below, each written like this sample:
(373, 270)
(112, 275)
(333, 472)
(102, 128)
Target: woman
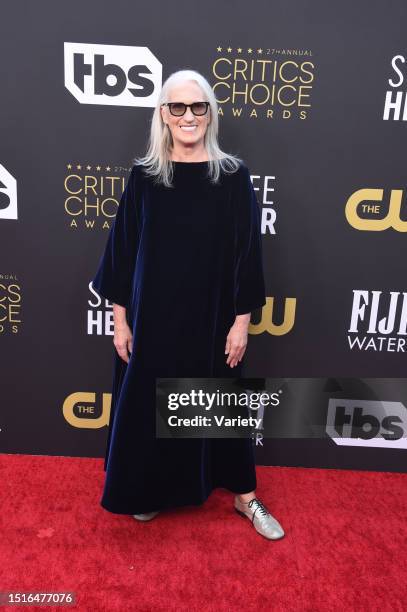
(183, 269)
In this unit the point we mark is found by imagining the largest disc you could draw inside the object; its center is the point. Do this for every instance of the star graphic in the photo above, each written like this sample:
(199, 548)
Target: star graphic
(98, 167)
(79, 167)
(69, 166)
(88, 167)
(108, 168)
(219, 49)
(229, 49)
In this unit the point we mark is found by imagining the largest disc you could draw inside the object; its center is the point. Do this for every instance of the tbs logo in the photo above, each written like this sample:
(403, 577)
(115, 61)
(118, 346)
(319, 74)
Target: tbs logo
(367, 423)
(112, 74)
(8, 195)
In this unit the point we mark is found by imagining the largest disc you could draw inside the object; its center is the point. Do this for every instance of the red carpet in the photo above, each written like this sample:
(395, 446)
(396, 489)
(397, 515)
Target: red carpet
(345, 544)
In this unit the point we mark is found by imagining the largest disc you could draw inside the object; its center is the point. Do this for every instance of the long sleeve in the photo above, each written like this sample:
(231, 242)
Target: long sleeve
(116, 267)
(249, 279)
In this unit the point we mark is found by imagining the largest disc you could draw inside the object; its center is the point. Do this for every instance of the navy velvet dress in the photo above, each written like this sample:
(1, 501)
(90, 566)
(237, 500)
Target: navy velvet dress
(183, 261)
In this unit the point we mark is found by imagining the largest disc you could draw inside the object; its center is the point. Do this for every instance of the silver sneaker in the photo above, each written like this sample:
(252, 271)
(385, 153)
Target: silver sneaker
(147, 516)
(263, 522)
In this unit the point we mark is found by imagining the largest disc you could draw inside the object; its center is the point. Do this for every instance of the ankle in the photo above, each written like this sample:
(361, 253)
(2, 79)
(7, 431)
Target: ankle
(245, 498)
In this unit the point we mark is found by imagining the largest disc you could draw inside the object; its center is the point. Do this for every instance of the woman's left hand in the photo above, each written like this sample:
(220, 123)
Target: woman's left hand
(236, 340)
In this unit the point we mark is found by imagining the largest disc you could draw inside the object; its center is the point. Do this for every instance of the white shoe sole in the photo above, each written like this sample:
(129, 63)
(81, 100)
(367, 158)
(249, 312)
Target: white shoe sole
(145, 517)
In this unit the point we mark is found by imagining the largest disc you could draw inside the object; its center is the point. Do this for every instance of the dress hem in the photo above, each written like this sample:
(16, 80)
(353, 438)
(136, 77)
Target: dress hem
(179, 505)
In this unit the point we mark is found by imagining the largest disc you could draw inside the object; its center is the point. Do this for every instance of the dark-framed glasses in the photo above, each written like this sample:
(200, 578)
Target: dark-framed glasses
(179, 108)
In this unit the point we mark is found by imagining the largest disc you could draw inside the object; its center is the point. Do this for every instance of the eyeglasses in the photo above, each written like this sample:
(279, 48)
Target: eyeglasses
(179, 108)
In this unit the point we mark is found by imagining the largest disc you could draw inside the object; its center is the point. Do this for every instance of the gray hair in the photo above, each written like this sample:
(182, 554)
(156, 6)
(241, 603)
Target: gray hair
(157, 161)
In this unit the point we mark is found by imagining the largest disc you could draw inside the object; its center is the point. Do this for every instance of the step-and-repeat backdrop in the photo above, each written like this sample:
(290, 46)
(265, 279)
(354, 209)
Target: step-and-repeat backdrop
(313, 97)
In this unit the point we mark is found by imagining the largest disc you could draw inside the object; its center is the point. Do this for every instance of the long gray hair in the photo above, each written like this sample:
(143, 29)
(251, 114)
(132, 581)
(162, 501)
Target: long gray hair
(157, 161)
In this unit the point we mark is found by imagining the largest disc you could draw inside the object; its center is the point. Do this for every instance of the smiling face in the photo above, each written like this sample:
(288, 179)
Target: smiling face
(187, 131)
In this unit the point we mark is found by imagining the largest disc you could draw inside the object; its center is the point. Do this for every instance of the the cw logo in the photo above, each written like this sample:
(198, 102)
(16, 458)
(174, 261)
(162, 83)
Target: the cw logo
(84, 422)
(266, 321)
(392, 219)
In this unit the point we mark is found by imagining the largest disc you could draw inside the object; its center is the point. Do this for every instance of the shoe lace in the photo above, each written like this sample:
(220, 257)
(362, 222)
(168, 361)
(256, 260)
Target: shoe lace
(261, 507)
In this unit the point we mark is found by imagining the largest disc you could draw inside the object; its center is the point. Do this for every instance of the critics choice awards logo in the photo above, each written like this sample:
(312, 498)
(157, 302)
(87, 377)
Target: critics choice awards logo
(263, 82)
(10, 303)
(92, 194)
